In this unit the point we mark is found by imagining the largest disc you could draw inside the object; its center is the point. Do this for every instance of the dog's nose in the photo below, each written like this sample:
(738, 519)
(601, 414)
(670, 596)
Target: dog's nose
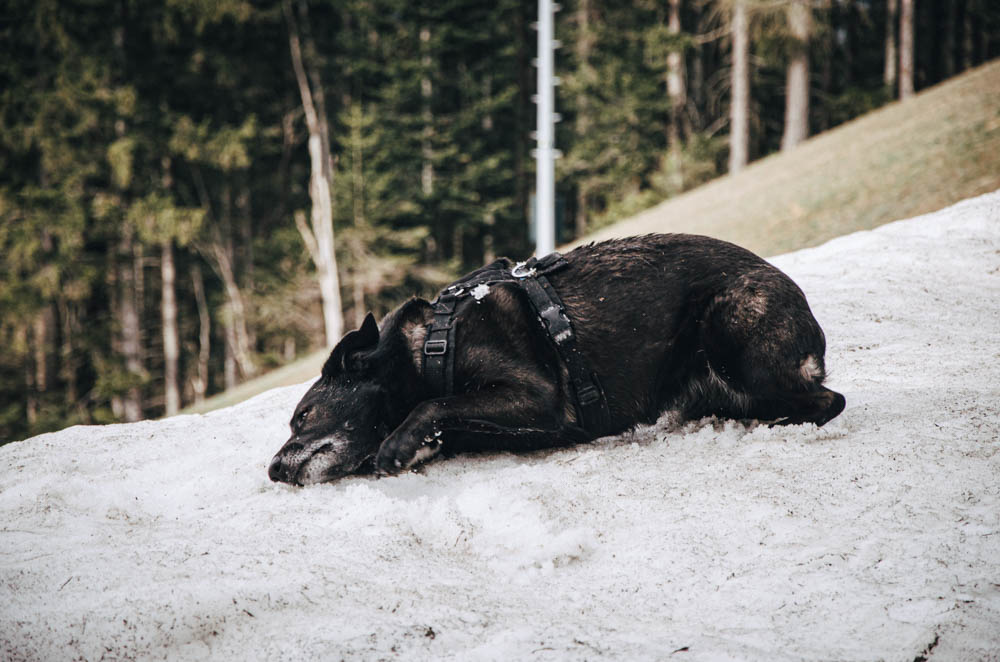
(278, 470)
(283, 466)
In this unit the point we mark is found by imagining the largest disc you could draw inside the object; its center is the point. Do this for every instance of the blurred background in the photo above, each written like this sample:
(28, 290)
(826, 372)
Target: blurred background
(198, 198)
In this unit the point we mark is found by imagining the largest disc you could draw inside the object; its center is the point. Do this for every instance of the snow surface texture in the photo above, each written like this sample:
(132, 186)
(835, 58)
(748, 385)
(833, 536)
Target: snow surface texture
(876, 537)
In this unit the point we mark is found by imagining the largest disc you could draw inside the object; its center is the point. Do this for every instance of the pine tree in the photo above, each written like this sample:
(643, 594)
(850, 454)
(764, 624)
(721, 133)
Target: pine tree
(153, 159)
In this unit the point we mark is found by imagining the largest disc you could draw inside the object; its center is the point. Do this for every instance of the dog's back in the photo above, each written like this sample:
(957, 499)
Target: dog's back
(695, 324)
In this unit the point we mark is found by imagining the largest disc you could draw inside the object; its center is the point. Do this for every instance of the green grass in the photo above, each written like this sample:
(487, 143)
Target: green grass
(902, 160)
(298, 371)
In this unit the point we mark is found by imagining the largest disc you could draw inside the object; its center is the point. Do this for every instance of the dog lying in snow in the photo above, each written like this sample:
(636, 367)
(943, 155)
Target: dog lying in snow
(563, 350)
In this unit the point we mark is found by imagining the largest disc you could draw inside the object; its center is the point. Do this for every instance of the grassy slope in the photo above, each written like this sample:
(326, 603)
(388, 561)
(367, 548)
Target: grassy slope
(296, 372)
(900, 161)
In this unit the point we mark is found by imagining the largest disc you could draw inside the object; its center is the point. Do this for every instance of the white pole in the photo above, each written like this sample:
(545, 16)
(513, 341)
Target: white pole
(545, 224)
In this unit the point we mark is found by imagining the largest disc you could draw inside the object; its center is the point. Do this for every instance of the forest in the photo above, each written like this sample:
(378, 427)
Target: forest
(193, 193)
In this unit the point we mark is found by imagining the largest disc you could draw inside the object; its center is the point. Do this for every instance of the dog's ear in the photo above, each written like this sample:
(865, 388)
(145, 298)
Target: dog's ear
(355, 361)
(369, 331)
(346, 355)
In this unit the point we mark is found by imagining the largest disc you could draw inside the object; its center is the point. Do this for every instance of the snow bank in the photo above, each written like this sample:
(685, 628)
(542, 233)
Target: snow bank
(874, 538)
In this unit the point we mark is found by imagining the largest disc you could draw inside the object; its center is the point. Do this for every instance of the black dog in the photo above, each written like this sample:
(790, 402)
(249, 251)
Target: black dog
(564, 350)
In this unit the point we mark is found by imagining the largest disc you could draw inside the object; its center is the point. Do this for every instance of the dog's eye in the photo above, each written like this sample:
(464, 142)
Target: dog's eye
(300, 420)
(349, 426)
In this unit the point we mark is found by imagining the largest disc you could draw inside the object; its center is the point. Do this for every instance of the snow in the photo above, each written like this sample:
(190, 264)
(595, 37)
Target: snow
(480, 291)
(876, 537)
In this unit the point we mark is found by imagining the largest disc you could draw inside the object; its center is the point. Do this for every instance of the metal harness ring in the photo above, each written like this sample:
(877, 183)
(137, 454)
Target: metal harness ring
(521, 270)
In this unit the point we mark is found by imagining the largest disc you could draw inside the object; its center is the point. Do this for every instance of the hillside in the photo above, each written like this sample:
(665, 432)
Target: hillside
(902, 160)
(303, 369)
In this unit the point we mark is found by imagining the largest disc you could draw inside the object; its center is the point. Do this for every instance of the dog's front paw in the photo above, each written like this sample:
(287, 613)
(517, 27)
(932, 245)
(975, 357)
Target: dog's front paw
(391, 458)
(401, 452)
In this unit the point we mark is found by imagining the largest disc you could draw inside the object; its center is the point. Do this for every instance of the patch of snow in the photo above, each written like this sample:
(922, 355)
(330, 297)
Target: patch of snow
(867, 539)
(480, 291)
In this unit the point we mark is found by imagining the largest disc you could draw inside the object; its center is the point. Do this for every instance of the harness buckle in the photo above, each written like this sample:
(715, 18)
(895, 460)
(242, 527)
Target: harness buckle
(436, 347)
(521, 270)
(588, 395)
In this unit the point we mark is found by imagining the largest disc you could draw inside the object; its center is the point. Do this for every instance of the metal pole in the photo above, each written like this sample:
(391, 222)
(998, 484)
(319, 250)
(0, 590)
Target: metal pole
(545, 225)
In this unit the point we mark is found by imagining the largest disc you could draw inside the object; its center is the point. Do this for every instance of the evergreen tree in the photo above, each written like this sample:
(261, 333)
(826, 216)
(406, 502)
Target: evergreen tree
(154, 158)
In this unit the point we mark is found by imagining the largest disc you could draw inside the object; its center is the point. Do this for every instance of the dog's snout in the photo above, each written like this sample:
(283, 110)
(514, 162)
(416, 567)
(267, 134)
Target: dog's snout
(291, 448)
(278, 471)
(285, 465)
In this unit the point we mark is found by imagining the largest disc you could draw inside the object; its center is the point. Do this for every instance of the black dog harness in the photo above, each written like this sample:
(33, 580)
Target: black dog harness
(439, 358)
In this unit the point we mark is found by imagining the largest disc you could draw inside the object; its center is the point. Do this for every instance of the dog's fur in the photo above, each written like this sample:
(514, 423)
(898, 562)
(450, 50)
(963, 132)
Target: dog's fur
(668, 322)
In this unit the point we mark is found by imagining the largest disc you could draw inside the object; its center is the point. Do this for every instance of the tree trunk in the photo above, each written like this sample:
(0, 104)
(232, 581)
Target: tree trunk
(696, 88)
(826, 70)
(848, 42)
(30, 396)
(582, 201)
(117, 402)
(68, 363)
(236, 315)
(358, 167)
(45, 322)
(906, 88)
(676, 77)
(426, 91)
(950, 28)
(131, 343)
(229, 372)
(319, 238)
(489, 215)
(45, 328)
(584, 48)
(129, 259)
(489, 252)
(243, 255)
(358, 294)
(355, 245)
(891, 56)
(797, 80)
(677, 95)
(739, 108)
(219, 253)
(199, 383)
(458, 243)
(40, 371)
(968, 47)
(985, 37)
(524, 116)
(171, 338)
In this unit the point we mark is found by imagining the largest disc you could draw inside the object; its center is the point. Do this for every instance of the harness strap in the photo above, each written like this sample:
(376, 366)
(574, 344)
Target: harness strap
(439, 357)
(589, 400)
(439, 363)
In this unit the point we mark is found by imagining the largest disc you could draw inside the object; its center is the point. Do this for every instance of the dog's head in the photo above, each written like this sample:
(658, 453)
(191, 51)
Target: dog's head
(341, 420)
(367, 387)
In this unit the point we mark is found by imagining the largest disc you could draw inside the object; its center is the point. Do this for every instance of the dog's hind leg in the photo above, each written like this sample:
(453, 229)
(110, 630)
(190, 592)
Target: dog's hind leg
(763, 342)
